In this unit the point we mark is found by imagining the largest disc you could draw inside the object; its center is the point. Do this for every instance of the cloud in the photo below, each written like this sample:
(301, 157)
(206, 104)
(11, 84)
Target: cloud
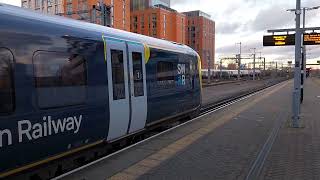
(179, 2)
(12, 2)
(227, 27)
(248, 20)
(271, 18)
(246, 48)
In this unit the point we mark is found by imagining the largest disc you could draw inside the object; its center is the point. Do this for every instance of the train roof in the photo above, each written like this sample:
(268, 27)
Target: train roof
(21, 13)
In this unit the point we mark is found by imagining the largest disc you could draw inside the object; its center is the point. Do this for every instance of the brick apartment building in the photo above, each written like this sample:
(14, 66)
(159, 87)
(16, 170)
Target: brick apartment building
(159, 21)
(149, 17)
(200, 35)
(145, 4)
(195, 28)
(117, 12)
(44, 6)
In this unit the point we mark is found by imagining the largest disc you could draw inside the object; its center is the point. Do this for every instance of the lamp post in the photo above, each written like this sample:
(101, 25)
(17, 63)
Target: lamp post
(304, 50)
(254, 63)
(239, 61)
(209, 66)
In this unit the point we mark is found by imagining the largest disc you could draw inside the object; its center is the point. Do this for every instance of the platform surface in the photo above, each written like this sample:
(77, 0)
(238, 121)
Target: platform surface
(226, 144)
(295, 154)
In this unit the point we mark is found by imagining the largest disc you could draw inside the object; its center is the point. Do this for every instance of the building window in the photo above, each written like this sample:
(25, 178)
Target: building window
(135, 24)
(50, 10)
(56, 9)
(7, 94)
(142, 23)
(60, 79)
(50, 3)
(24, 4)
(154, 17)
(69, 8)
(138, 74)
(37, 4)
(117, 75)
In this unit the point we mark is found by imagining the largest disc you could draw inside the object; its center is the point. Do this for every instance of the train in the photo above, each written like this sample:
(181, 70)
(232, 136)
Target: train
(68, 85)
(228, 74)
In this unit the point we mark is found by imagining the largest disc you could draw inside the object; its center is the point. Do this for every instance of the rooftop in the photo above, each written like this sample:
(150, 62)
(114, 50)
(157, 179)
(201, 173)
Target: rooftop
(197, 13)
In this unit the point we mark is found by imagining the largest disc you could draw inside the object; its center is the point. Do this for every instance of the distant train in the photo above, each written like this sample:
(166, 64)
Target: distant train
(67, 85)
(227, 74)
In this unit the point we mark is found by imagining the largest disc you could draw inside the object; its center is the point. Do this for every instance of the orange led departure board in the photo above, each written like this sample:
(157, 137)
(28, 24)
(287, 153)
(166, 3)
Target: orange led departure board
(289, 39)
(311, 39)
(279, 40)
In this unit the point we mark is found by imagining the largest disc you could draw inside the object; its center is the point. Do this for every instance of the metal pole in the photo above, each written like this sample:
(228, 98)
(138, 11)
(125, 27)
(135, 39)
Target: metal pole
(304, 47)
(239, 63)
(220, 69)
(209, 70)
(297, 71)
(254, 64)
(304, 60)
(264, 66)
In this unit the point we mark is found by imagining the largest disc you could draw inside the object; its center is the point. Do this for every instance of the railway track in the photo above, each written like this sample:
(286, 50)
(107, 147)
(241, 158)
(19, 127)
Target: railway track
(208, 109)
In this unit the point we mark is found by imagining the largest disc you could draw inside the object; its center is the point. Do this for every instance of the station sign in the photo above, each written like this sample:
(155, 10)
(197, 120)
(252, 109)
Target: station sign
(311, 39)
(279, 40)
(289, 39)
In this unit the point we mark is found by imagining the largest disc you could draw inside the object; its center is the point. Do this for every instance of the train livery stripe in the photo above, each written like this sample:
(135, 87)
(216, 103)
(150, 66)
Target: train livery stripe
(17, 170)
(146, 53)
(200, 73)
(104, 48)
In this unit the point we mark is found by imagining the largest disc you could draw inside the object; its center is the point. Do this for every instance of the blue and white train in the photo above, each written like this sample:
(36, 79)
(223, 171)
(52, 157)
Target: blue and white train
(216, 73)
(67, 85)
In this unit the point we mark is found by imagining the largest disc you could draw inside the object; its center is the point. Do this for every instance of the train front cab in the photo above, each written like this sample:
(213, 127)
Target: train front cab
(173, 84)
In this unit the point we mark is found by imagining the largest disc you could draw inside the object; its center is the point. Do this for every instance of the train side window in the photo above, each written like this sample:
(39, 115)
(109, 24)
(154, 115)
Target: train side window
(6, 81)
(118, 74)
(137, 74)
(60, 79)
(165, 71)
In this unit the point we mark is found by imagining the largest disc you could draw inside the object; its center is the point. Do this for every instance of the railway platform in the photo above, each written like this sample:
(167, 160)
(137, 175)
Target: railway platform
(250, 139)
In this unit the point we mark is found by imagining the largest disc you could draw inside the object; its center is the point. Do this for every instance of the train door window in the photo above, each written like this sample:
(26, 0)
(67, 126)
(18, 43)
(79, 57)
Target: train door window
(60, 79)
(137, 74)
(6, 81)
(118, 75)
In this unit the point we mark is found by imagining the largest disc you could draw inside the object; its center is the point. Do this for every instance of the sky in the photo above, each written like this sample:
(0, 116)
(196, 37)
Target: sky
(246, 21)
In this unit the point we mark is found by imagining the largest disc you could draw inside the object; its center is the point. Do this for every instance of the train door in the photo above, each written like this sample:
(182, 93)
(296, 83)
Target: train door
(118, 85)
(138, 90)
